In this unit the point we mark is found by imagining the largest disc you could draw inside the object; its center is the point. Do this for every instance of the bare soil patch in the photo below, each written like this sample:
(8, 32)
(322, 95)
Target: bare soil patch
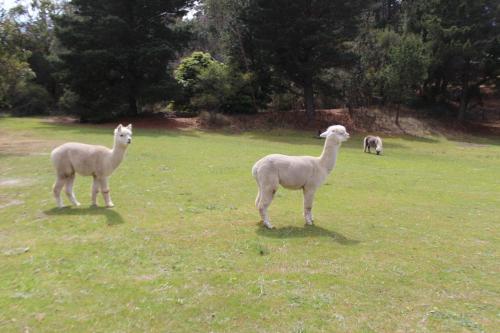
(261, 120)
(364, 120)
(11, 182)
(145, 121)
(12, 143)
(292, 120)
(10, 203)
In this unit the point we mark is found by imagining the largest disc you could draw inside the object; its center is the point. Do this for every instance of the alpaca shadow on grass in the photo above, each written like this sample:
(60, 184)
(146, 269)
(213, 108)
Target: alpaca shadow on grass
(305, 231)
(112, 217)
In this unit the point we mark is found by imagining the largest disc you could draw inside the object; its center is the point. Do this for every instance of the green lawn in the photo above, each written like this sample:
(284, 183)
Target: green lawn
(405, 242)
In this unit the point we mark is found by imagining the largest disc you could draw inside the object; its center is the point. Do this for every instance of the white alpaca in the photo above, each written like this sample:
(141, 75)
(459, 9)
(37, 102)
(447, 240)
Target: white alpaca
(373, 142)
(89, 160)
(297, 172)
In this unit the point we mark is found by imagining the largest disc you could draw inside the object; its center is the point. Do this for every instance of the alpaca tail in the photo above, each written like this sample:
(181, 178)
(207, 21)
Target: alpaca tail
(365, 143)
(254, 171)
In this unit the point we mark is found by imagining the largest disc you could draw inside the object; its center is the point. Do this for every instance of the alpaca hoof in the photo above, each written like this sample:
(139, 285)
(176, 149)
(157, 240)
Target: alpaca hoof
(309, 223)
(268, 226)
(110, 205)
(94, 205)
(77, 204)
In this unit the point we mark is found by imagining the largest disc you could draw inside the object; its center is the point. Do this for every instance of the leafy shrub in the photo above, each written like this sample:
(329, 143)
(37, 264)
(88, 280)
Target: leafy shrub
(68, 102)
(190, 68)
(213, 86)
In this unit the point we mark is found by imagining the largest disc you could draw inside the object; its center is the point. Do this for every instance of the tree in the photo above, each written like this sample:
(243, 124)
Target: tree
(118, 52)
(220, 32)
(373, 49)
(387, 12)
(297, 39)
(464, 36)
(40, 39)
(15, 71)
(405, 70)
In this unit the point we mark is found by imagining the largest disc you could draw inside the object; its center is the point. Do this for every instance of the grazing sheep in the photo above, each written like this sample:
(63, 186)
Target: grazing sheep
(297, 172)
(372, 142)
(89, 160)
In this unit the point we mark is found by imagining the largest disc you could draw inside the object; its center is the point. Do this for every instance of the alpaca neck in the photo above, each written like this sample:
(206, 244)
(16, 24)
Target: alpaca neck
(329, 155)
(117, 154)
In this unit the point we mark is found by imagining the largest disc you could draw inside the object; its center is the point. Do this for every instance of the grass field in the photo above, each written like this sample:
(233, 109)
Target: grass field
(405, 242)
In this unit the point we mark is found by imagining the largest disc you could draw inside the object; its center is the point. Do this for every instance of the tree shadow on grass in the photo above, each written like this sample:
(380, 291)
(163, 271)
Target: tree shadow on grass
(305, 231)
(112, 217)
(355, 142)
(86, 129)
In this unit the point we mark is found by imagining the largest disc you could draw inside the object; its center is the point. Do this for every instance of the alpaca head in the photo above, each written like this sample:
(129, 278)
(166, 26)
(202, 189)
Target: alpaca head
(123, 135)
(336, 132)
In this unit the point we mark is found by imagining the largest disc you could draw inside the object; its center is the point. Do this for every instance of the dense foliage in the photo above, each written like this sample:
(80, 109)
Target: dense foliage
(464, 38)
(299, 39)
(117, 53)
(213, 86)
(104, 59)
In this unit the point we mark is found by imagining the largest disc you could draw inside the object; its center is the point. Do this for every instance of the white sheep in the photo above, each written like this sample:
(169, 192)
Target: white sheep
(371, 141)
(297, 172)
(89, 160)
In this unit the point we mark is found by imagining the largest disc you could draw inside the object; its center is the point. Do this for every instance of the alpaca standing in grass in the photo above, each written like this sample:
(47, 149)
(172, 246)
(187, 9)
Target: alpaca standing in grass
(297, 172)
(89, 160)
(373, 142)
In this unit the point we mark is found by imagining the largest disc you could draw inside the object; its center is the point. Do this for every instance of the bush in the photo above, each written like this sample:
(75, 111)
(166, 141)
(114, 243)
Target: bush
(31, 99)
(68, 102)
(190, 68)
(213, 86)
(221, 88)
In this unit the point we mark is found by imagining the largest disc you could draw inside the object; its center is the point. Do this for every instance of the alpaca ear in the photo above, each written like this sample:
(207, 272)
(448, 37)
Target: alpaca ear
(118, 129)
(324, 134)
(129, 126)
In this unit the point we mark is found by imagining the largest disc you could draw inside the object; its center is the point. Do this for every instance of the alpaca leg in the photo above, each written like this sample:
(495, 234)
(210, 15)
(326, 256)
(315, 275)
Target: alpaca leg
(257, 200)
(266, 197)
(105, 192)
(95, 191)
(57, 190)
(308, 203)
(69, 190)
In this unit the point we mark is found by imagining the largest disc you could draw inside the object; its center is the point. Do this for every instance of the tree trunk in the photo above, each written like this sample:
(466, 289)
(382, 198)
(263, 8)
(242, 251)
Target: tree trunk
(309, 99)
(464, 101)
(247, 66)
(464, 98)
(398, 109)
(350, 110)
(444, 87)
(132, 105)
(131, 63)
